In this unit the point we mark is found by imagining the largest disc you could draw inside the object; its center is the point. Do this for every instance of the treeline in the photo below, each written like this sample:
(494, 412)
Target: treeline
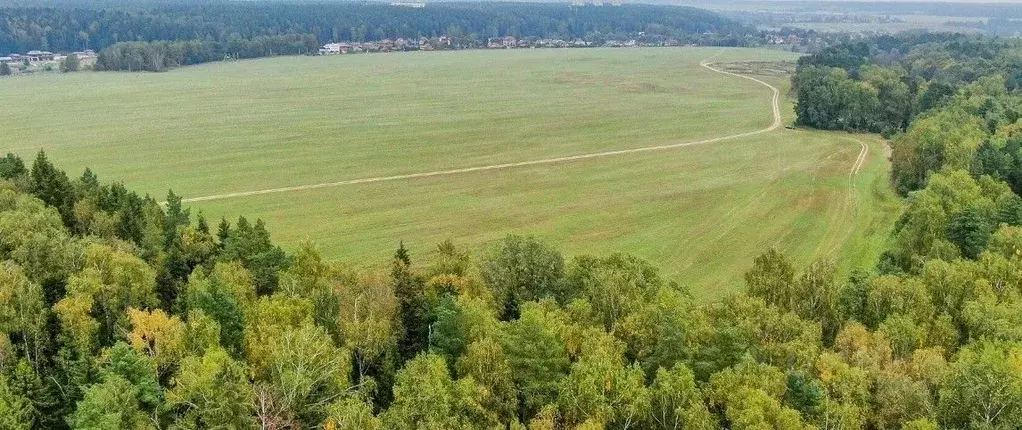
(81, 27)
(881, 84)
(160, 56)
(119, 312)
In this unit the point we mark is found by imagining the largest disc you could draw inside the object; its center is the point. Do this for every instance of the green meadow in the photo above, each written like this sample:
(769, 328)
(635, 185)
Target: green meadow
(701, 212)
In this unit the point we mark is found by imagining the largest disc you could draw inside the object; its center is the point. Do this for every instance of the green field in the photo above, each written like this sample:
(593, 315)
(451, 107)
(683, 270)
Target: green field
(700, 212)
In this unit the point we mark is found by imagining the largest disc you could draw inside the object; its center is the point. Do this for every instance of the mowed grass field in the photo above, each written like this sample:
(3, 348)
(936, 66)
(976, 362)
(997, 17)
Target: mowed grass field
(700, 212)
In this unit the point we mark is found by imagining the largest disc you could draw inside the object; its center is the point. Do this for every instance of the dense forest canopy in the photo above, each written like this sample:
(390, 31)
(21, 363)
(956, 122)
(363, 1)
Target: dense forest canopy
(66, 29)
(119, 312)
(881, 84)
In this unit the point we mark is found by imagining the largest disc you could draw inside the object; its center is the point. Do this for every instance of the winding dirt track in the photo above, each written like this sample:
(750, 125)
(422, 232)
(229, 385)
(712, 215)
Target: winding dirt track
(776, 102)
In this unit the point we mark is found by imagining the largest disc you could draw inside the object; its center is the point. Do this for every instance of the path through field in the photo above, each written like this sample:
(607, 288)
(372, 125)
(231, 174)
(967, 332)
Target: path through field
(775, 101)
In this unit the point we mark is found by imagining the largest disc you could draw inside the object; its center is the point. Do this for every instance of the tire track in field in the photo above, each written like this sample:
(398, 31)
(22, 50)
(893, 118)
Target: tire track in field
(849, 205)
(775, 102)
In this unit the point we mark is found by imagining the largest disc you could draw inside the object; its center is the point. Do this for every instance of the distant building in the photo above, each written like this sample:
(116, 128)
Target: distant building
(335, 48)
(86, 58)
(37, 56)
(411, 4)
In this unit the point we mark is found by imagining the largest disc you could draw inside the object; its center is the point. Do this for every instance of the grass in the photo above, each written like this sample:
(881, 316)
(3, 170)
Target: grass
(702, 212)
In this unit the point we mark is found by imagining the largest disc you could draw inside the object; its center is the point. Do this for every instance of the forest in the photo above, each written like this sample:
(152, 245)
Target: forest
(187, 33)
(880, 85)
(121, 311)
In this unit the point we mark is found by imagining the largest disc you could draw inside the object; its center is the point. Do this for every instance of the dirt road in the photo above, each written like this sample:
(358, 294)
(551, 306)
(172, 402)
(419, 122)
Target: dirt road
(775, 101)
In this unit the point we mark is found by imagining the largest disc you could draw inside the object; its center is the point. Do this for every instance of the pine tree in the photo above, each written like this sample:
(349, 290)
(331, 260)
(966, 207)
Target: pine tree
(223, 232)
(176, 218)
(53, 187)
(5, 70)
(412, 308)
(12, 167)
(201, 225)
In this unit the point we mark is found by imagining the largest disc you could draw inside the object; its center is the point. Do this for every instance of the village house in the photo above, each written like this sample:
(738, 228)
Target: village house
(501, 42)
(37, 56)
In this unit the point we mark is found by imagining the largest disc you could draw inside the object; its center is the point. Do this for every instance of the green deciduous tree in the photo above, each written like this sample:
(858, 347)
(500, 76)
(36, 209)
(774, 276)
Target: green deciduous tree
(676, 402)
(425, 397)
(537, 352)
(211, 391)
(70, 63)
(520, 269)
(602, 388)
(983, 388)
(615, 286)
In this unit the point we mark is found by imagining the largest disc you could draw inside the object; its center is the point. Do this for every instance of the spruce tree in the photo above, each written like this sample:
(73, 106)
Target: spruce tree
(12, 167)
(53, 187)
(412, 308)
(177, 217)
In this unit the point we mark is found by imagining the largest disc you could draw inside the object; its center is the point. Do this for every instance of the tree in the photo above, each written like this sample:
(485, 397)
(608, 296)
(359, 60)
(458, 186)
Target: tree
(983, 388)
(413, 308)
(251, 246)
(536, 351)
(520, 269)
(971, 231)
(211, 391)
(23, 312)
(750, 395)
(485, 362)
(15, 410)
(53, 187)
(351, 413)
(307, 373)
(109, 405)
(219, 301)
(675, 401)
(5, 70)
(425, 397)
(369, 327)
(771, 278)
(128, 389)
(600, 388)
(158, 336)
(615, 286)
(70, 63)
(664, 331)
(112, 281)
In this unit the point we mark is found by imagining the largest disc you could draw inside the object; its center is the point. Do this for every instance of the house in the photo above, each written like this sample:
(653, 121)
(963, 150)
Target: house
(7, 60)
(330, 49)
(411, 4)
(37, 56)
(86, 58)
(336, 48)
(386, 45)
